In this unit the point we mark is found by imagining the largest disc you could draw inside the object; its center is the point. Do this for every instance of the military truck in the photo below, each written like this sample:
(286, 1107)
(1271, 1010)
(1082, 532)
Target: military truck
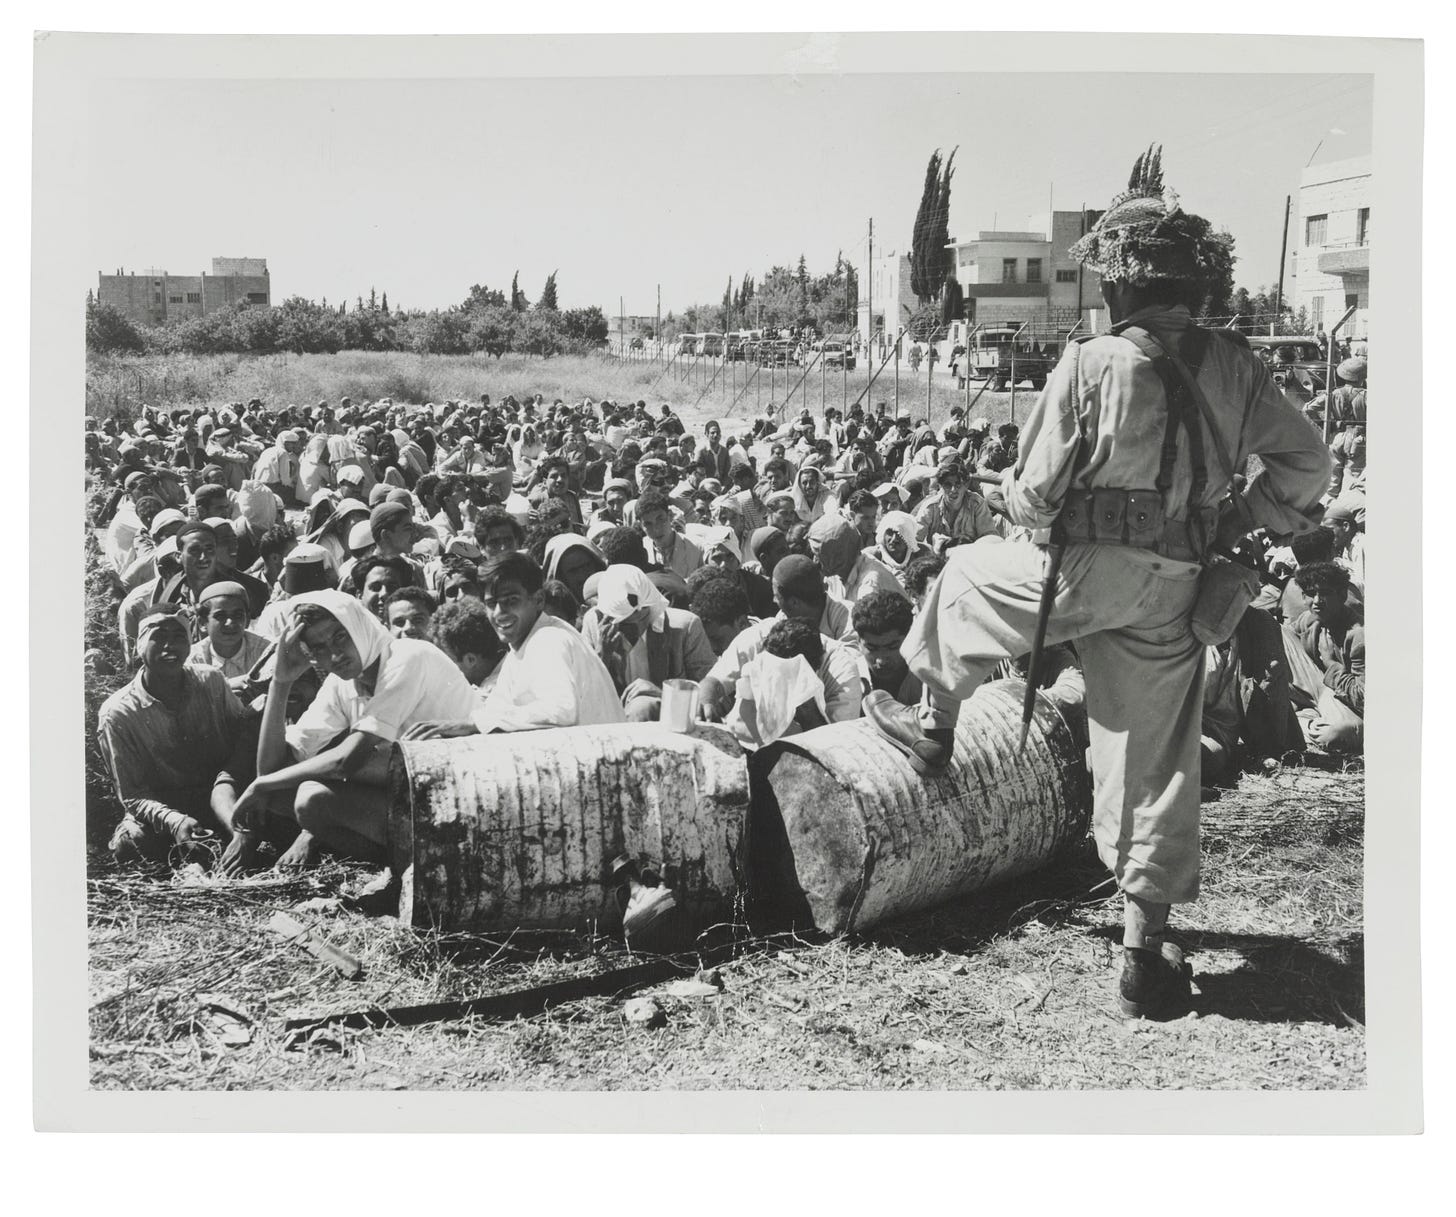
(996, 350)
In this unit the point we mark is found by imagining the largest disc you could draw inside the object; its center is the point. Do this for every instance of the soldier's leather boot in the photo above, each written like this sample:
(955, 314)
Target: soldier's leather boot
(929, 752)
(1154, 984)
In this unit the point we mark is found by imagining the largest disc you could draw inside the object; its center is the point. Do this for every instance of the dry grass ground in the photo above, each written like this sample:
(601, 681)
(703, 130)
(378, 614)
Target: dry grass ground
(1012, 989)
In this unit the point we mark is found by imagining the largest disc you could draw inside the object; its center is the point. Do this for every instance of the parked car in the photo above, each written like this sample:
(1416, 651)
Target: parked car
(837, 353)
(1294, 362)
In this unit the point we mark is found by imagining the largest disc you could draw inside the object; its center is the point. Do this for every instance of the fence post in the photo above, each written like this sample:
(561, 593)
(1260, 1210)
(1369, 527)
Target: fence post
(897, 375)
(929, 372)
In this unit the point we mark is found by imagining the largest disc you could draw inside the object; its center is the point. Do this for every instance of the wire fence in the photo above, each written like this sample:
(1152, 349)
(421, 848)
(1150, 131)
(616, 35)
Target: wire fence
(927, 366)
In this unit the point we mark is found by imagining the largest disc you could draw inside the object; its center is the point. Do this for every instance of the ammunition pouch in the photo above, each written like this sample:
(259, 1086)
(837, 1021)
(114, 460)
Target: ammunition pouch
(1113, 517)
(1135, 518)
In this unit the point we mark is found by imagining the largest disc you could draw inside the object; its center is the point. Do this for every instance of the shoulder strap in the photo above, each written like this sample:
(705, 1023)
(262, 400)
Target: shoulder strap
(1218, 445)
(1180, 409)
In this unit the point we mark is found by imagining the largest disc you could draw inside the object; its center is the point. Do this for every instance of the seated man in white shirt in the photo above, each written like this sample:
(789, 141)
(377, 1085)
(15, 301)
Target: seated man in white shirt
(328, 770)
(549, 677)
(799, 591)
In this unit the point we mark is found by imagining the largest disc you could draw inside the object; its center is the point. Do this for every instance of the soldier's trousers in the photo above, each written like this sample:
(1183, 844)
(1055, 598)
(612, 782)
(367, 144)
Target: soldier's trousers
(1128, 611)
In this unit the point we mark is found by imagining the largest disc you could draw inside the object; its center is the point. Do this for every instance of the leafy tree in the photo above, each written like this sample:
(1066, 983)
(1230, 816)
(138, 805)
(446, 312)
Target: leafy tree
(445, 332)
(548, 294)
(480, 296)
(538, 335)
(110, 330)
(587, 326)
(307, 328)
(493, 328)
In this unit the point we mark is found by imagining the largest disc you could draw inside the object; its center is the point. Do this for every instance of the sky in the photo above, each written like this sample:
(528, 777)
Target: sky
(420, 188)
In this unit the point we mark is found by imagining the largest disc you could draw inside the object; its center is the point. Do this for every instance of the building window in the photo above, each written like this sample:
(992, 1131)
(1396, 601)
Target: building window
(174, 299)
(1362, 226)
(1317, 312)
(1008, 270)
(1033, 270)
(194, 297)
(257, 297)
(1316, 229)
(156, 297)
(1066, 276)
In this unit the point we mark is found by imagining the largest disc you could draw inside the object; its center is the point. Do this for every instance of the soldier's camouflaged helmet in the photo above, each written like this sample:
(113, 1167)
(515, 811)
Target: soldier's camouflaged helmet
(1145, 235)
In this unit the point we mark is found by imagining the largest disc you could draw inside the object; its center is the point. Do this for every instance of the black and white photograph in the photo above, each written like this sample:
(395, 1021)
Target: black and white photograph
(827, 576)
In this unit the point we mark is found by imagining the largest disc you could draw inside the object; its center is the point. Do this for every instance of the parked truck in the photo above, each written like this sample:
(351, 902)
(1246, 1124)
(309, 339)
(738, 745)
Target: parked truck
(996, 351)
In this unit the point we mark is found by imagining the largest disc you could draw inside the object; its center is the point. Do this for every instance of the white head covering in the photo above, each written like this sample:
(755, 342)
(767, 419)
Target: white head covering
(778, 687)
(716, 535)
(903, 523)
(366, 631)
(622, 590)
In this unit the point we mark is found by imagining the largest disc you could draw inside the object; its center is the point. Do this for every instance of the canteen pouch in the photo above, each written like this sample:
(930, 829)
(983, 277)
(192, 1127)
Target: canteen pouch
(1225, 590)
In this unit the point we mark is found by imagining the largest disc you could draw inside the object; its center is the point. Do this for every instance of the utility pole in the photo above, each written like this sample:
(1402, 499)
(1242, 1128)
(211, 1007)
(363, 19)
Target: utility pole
(621, 328)
(1283, 251)
(657, 333)
(870, 291)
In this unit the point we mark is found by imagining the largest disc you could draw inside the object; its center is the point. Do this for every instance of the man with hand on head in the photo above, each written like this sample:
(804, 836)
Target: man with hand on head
(328, 770)
(642, 641)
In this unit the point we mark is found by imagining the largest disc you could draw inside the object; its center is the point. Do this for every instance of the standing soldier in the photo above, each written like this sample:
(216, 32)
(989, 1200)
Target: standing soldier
(1125, 457)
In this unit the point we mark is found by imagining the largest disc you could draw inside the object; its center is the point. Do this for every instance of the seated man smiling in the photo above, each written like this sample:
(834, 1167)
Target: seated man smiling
(549, 677)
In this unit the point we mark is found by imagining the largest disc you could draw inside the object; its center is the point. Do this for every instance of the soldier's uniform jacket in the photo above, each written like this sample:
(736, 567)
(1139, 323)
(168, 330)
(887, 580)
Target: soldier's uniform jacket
(1100, 423)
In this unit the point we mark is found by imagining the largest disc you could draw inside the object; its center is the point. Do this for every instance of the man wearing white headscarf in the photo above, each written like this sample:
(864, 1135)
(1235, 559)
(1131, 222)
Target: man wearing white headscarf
(642, 641)
(278, 467)
(330, 766)
(314, 470)
(897, 543)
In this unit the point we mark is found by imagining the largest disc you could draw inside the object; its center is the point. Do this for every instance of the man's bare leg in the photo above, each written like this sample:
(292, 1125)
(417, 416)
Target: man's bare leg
(347, 818)
(242, 845)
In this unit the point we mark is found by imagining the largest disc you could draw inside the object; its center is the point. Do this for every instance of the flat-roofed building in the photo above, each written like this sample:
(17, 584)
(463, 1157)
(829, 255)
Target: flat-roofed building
(154, 297)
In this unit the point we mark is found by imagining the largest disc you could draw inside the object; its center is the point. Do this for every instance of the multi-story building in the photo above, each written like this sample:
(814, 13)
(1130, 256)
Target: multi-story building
(622, 330)
(1004, 276)
(888, 282)
(1332, 245)
(1029, 276)
(154, 297)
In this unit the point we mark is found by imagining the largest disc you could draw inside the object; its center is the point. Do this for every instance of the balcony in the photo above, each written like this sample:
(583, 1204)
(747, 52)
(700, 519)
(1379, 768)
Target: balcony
(1350, 258)
(989, 291)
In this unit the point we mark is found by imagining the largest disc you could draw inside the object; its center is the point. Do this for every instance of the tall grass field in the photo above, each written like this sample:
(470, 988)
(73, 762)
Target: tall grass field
(119, 385)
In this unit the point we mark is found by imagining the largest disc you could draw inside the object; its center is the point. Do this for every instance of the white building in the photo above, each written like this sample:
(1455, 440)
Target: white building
(888, 283)
(1331, 260)
(1029, 276)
